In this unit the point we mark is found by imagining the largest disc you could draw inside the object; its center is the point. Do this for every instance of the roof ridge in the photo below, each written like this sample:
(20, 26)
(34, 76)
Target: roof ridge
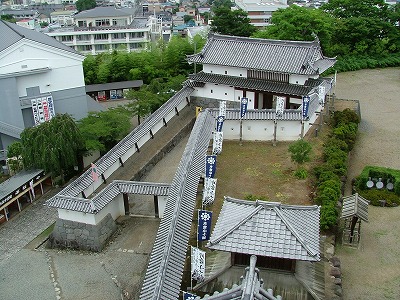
(235, 226)
(294, 232)
(7, 24)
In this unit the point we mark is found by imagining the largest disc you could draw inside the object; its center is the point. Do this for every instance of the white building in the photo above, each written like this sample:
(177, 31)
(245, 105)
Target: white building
(38, 77)
(271, 75)
(103, 29)
(260, 12)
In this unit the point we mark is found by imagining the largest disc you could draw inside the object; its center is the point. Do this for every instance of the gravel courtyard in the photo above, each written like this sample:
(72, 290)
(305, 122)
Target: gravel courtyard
(372, 271)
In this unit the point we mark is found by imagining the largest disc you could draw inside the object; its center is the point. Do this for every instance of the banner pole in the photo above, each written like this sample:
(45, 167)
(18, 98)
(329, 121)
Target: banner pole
(240, 134)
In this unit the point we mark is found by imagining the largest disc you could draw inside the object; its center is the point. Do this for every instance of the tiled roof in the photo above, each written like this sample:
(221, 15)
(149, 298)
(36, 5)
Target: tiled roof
(251, 287)
(164, 272)
(16, 181)
(12, 33)
(355, 206)
(114, 85)
(105, 11)
(256, 84)
(261, 114)
(292, 57)
(267, 229)
(85, 180)
(107, 195)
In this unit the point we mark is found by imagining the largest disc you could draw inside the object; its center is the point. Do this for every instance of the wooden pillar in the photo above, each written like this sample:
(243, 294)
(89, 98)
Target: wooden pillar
(19, 205)
(41, 187)
(353, 225)
(156, 212)
(241, 131)
(275, 128)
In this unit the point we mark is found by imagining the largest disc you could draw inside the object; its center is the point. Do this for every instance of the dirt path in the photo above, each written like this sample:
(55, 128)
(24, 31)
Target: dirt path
(373, 272)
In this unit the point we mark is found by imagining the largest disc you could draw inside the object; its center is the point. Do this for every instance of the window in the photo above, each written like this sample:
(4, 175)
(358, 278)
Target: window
(226, 72)
(83, 37)
(136, 35)
(211, 91)
(103, 22)
(67, 38)
(82, 24)
(102, 36)
(84, 48)
(118, 36)
(101, 47)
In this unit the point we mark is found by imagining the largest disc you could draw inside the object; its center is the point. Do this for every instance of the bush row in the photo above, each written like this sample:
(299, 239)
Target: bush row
(353, 63)
(329, 174)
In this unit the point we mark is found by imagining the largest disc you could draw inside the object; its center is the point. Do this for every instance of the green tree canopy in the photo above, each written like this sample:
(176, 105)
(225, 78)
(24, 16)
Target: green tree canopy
(231, 22)
(300, 151)
(82, 5)
(364, 27)
(53, 146)
(102, 130)
(298, 24)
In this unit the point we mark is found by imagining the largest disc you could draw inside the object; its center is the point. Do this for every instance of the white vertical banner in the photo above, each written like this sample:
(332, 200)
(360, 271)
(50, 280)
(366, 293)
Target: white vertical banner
(210, 185)
(45, 109)
(35, 112)
(40, 110)
(222, 108)
(50, 104)
(218, 138)
(321, 94)
(198, 264)
(280, 106)
(32, 189)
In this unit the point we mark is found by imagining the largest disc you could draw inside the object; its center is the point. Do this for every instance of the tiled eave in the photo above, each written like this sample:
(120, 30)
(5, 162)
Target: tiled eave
(252, 84)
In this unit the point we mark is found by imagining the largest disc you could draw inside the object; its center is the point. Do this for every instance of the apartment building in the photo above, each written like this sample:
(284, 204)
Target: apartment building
(260, 11)
(103, 29)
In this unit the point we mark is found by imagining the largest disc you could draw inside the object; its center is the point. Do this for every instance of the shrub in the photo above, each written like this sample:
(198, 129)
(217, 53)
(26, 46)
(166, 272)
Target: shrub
(300, 151)
(301, 173)
(374, 195)
(345, 116)
(378, 172)
(328, 216)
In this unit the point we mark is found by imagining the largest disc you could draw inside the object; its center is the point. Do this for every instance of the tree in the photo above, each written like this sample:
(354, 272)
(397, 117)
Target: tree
(8, 18)
(236, 22)
(53, 146)
(300, 151)
(102, 130)
(14, 157)
(187, 18)
(82, 5)
(364, 27)
(298, 24)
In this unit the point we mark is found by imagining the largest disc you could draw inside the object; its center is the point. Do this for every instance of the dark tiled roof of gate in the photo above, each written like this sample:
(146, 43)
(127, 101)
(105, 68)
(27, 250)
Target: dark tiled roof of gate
(292, 57)
(164, 272)
(107, 195)
(267, 229)
(256, 84)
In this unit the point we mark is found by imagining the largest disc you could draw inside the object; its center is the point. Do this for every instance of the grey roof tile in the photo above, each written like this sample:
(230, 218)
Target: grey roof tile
(293, 57)
(276, 230)
(355, 205)
(105, 11)
(256, 84)
(17, 180)
(12, 33)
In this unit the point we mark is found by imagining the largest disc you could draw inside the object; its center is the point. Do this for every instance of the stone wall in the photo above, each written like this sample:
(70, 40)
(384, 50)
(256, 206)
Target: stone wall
(81, 236)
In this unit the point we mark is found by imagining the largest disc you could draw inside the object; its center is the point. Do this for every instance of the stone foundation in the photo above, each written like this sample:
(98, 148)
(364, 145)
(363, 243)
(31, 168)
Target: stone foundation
(81, 236)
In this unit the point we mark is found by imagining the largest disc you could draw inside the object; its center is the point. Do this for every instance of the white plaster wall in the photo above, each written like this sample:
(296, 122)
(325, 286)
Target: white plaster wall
(81, 217)
(66, 69)
(221, 92)
(162, 202)
(115, 208)
(224, 70)
(238, 95)
(250, 97)
(298, 79)
(261, 130)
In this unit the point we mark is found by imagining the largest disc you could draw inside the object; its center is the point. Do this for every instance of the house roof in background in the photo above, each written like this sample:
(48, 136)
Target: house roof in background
(12, 33)
(105, 11)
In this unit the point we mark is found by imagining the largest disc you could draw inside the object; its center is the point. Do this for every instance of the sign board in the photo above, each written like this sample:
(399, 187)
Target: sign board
(198, 264)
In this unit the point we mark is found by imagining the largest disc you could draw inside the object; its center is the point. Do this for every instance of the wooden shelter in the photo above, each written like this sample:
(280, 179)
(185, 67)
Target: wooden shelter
(354, 209)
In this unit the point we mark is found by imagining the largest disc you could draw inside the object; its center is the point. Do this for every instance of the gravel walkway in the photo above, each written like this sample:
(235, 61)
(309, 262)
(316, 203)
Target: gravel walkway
(372, 271)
